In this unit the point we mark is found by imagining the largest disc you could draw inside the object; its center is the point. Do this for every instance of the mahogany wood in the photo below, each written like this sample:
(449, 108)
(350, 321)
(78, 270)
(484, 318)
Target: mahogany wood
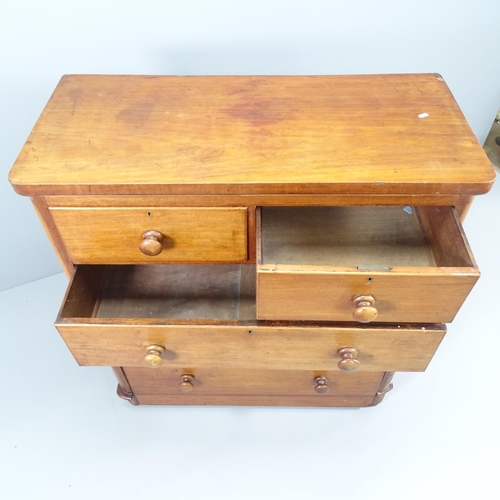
(238, 400)
(462, 206)
(251, 345)
(84, 292)
(357, 134)
(314, 261)
(446, 237)
(196, 333)
(114, 235)
(385, 387)
(151, 243)
(364, 311)
(321, 386)
(279, 200)
(48, 224)
(153, 357)
(306, 177)
(215, 380)
(202, 292)
(187, 382)
(348, 359)
(252, 238)
(124, 390)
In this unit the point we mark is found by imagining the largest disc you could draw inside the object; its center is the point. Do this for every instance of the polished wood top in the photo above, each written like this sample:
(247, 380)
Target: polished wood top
(252, 135)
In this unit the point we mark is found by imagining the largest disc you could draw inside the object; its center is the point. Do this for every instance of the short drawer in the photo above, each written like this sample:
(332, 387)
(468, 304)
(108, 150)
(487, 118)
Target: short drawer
(199, 316)
(152, 235)
(365, 264)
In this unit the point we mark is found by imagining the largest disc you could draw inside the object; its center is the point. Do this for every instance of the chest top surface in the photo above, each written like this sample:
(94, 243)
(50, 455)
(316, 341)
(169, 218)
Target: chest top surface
(378, 134)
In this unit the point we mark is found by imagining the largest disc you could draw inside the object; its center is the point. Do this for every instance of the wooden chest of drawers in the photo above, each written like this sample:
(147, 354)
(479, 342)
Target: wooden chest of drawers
(256, 240)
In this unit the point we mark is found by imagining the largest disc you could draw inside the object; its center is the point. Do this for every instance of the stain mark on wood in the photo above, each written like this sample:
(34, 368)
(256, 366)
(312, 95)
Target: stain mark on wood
(260, 112)
(137, 115)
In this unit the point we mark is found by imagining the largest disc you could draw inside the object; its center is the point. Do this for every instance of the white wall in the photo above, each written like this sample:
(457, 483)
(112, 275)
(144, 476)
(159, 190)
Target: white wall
(40, 41)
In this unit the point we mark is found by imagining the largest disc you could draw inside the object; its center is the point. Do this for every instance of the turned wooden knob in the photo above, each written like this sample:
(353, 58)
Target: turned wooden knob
(364, 312)
(348, 361)
(153, 358)
(186, 384)
(151, 243)
(321, 386)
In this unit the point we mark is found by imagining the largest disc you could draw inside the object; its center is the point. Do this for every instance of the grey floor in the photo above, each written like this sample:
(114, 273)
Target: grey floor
(65, 435)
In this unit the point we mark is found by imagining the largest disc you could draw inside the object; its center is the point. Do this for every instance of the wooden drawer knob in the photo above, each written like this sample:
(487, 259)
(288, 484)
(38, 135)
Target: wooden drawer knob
(186, 384)
(364, 312)
(348, 361)
(321, 385)
(153, 358)
(151, 243)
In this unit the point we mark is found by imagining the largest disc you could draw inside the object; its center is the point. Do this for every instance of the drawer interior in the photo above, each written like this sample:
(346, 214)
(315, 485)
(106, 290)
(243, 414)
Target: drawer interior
(186, 292)
(204, 316)
(369, 238)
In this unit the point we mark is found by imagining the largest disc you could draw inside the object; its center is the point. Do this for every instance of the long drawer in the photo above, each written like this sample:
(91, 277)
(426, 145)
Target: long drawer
(123, 235)
(214, 380)
(215, 386)
(364, 264)
(200, 316)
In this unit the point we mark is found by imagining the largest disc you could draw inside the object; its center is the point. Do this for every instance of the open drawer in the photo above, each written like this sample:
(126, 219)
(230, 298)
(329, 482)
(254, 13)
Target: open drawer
(204, 316)
(381, 264)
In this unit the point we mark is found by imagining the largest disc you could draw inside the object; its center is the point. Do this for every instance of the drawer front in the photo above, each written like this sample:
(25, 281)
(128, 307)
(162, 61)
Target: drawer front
(190, 381)
(378, 264)
(152, 235)
(113, 342)
(291, 295)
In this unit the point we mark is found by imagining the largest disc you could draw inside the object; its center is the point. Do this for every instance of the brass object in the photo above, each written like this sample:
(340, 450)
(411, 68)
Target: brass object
(364, 312)
(186, 384)
(151, 243)
(321, 385)
(348, 361)
(153, 358)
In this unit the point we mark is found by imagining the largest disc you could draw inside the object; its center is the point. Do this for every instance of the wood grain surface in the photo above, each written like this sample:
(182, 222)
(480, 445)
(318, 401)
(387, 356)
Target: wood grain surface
(252, 135)
(343, 236)
(53, 234)
(245, 400)
(213, 322)
(278, 200)
(123, 383)
(213, 380)
(223, 291)
(240, 346)
(401, 295)
(112, 235)
(313, 261)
